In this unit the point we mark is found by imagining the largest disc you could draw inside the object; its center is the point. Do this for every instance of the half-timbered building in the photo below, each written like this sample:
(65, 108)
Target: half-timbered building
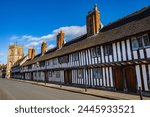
(116, 56)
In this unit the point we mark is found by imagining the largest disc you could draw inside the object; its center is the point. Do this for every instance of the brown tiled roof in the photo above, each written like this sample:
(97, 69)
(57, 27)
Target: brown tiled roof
(31, 61)
(17, 63)
(26, 62)
(132, 24)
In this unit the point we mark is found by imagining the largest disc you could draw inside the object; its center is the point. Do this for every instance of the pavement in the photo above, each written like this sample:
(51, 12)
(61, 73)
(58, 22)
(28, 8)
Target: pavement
(90, 91)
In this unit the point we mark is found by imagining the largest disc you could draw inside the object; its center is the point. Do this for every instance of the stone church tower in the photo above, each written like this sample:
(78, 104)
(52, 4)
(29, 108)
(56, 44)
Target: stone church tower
(15, 53)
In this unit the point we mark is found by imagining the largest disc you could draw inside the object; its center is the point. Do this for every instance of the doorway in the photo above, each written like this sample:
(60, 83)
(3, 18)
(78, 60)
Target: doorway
(68, 76)
(125, 78)
(130, 79)
(118, 79)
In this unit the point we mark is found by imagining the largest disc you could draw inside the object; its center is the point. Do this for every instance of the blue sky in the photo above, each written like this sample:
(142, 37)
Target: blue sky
(28, 22)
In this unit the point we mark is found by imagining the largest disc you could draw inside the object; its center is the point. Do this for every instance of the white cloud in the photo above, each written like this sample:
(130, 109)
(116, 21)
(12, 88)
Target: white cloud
(72, 31)
(34, 41)
(48, 37)
(32, 44)
(50, 46)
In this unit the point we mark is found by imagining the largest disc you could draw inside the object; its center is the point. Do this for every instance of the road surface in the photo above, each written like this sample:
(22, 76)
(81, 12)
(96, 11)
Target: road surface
(10, 89)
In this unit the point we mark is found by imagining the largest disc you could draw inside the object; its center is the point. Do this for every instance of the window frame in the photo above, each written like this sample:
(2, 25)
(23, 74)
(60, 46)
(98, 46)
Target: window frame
(57, 74)
(108, 50)
(93, 52)
(143, 42)
(75, 56)
(140, 37)
(50, 74)
(80, 74)
(54, 61)
(99, 73)
(98, 54)
(137, 46)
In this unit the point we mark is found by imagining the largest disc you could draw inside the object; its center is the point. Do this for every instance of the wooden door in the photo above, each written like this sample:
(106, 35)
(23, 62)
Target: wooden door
(119, 85)
(68, 77)
(130, 79)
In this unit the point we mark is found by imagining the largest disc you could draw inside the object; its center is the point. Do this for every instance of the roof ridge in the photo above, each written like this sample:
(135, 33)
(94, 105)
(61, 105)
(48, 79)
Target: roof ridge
(142, 10)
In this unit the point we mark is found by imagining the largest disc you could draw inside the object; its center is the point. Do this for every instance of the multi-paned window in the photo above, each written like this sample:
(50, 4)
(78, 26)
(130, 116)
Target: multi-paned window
(97, 73)
(42, 64)
(146, 40)
(75, 56)
(98, 51)
(80, 73)
(57, 74)
(50, 74)
(47, 63)
(140, 42)
(95, 52)
(108, 50)
(54, 61)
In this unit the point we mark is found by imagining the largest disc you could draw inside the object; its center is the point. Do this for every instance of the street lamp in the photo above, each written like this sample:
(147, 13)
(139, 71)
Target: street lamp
(37, 66)
(141, 95)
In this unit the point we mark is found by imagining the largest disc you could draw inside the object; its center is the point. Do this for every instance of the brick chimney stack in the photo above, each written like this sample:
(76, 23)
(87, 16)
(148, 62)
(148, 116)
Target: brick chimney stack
(43, 47)
(93, 21)
(31, 53)
(60, 39)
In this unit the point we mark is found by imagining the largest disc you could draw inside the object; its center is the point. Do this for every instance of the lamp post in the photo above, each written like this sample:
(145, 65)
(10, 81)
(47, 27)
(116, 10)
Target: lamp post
(141, 95)
(85, 81)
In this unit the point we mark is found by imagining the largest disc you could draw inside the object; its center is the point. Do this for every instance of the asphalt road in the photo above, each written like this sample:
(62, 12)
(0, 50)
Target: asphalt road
(13, 90)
